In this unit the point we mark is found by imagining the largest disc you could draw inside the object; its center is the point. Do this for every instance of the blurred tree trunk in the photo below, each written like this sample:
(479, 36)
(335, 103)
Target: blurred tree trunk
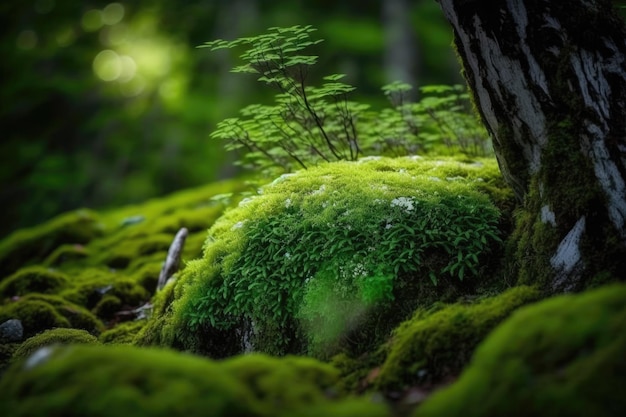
(549, 81)
(400, 48)
(236, 18)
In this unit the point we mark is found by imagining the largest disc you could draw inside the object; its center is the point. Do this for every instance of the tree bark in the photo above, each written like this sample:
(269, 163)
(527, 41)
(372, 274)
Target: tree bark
(549, 81)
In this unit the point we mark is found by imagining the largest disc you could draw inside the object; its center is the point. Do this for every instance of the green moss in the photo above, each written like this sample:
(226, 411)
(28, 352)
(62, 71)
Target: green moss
(32, 279)
(154, 333)
(35, 315)
(30, 246)
(107, 307)
(147, 275)
(123, 333)
(289, 382)
(121, 380)
(92, 284)
(40, 312)
(6, 353)
(53, 337)
(359, 373)
(67, 254)
(123, 253)
(321, 255)
(562, 356)
(435, 345)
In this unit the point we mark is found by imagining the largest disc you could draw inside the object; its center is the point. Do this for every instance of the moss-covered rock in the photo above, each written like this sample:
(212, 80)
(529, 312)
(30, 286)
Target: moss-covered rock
(39, 312)
(121, 380)
(436, 344)
(54, 337)
(32, 279)
(335, 256)
(565, 356)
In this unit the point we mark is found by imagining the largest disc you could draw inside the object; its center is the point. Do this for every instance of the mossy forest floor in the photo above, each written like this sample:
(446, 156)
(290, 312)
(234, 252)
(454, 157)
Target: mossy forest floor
(94, 339)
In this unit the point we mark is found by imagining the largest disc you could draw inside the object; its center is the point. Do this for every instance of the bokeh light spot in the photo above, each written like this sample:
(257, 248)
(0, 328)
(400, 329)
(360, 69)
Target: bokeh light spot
(129, 68)
(113, 14)
(92, 20)
(107, 65)
(27, 39)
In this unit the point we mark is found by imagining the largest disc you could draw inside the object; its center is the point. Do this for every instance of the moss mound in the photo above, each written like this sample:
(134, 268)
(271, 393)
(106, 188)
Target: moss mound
(30, 246)
(54, 337)
(39, 312)
(561, 357)
(317, 259)
(121, 380)
(123, 333)
(32, 279)
(436, 344)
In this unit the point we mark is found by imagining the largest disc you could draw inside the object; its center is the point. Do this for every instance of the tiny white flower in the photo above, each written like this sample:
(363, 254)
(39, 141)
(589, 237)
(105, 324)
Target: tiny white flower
(404, 202)
(319, 190)
(288, 202)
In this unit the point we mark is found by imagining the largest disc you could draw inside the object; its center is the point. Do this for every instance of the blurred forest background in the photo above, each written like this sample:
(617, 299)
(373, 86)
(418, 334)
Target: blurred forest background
(107, 103)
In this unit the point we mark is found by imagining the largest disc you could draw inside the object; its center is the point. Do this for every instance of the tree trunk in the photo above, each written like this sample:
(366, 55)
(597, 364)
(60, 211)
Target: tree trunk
(400, 48)
(549, 80)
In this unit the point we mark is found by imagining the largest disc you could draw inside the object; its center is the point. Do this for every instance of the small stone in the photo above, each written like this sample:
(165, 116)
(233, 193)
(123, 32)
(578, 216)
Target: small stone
(11, 331)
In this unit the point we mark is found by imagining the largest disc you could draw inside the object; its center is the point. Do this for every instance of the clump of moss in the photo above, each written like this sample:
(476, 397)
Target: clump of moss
(30, 246)
(122, 380)
(65, 254)
(314, 262)
(93, 284)
(153, 333)
(287, 383)
(123, 333)
(562, 356)
(39, 312)
(107, 307)
(123, 253)
(32, 279)
(54, 337)
(434, 345)
(6, 353)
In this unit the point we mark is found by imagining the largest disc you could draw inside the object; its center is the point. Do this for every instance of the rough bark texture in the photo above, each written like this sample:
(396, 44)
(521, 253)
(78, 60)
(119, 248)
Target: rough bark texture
(549, 80)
